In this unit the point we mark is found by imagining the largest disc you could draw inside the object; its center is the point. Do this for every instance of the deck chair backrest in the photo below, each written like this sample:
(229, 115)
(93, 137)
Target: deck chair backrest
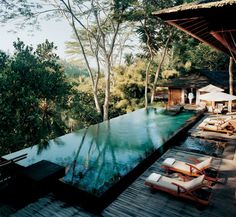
(194, 183)
(204, 164)
(233, 123)
(224, 125)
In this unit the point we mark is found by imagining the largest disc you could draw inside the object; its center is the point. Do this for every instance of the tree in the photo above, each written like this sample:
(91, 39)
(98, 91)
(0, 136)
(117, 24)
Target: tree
(33, 92)
(99, 22)
(154, 34)
(197, 55)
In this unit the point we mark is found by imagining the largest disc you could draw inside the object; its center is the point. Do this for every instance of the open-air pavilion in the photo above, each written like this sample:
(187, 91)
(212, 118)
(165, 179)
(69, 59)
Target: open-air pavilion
(211, 22)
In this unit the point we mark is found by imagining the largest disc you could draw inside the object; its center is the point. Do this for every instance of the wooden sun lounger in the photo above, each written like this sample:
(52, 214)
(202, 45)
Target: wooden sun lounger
(216, 129)
(7, 167)
(187, 190)
(195, 170)
(233, 123)
(227, 126)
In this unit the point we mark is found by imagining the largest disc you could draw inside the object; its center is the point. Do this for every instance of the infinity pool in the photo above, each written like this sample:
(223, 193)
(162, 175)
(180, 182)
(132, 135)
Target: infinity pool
(97, 157)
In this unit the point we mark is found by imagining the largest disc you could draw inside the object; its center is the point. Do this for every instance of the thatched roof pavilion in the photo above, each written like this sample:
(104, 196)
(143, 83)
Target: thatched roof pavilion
(211, 22)
(199, 79)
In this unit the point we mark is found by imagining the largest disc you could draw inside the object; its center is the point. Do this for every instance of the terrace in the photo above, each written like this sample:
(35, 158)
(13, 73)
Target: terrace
(137, 199)
(102, 160)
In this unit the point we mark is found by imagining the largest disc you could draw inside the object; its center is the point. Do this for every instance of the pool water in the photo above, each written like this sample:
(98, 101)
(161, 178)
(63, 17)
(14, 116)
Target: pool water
(97, 157)
(203, 146)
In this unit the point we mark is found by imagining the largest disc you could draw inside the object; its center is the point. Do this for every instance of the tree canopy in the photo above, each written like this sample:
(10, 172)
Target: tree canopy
(33, 91)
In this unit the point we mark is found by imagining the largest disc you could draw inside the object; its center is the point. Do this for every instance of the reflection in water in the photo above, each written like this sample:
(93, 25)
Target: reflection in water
(97, 157)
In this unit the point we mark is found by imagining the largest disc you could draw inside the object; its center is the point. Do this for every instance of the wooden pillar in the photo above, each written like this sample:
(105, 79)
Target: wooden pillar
(231, 76)
(231, 79)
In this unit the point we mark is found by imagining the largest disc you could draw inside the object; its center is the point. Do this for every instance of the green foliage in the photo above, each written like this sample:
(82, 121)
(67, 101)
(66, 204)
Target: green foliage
(129, 86)
(129, 59)
(33, 92)
(167, 74)
(151, 31)
(190, 54)
(82, 112)
(73, 70)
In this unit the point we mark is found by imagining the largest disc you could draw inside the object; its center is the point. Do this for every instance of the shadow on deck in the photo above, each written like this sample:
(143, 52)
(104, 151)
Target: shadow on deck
(138, 200)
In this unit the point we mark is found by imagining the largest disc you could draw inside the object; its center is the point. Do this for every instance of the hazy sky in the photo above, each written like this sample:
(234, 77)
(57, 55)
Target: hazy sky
(57, 32)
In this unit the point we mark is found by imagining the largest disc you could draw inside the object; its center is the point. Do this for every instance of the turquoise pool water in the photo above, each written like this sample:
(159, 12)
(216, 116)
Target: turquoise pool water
(97, 157)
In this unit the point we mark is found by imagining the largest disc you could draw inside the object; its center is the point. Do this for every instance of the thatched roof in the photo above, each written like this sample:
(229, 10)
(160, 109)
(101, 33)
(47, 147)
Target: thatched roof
(196, 5)
(210, 22)
(199, 79)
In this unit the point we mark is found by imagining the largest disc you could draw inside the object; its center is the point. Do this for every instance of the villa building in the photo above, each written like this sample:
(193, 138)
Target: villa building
(180, 87)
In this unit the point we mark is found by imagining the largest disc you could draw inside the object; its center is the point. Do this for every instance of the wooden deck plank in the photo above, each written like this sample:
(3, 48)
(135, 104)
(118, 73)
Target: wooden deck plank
(138, 199)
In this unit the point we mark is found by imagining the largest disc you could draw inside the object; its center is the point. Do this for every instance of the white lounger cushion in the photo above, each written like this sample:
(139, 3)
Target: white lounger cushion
(168, 161)
(166, 182)
(204, 164)
(180, 165)
(154, 177)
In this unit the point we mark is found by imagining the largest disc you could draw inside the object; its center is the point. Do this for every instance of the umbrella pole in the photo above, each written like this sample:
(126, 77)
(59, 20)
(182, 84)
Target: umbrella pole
(230, 106)
(213, 106)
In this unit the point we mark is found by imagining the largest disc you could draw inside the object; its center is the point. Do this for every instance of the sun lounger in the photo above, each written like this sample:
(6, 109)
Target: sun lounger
(232, 122)
(7, 167)
(217, 121)
(227, 125)
(170, 164)
(190, 190)
(218, 129)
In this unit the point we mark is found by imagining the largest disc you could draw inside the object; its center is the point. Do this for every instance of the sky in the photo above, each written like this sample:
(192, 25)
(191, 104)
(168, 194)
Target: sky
(55, 31)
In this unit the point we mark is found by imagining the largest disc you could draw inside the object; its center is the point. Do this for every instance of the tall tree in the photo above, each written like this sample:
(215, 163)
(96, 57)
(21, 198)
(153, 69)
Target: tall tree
(154, 34)
(33, 92)
(100, 21)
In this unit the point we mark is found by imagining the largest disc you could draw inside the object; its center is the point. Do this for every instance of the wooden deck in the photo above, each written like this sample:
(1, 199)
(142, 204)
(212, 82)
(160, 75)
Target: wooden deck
(138, 200)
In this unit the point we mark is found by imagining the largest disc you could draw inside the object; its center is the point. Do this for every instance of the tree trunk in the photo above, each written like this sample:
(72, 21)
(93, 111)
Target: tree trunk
(159, 68)
(94, 83)
(147, 81)
(231, 86)
(149, 63)
(107, 92)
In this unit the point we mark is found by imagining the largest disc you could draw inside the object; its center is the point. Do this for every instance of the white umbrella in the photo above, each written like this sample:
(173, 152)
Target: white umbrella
(217, 97)
(211, 88)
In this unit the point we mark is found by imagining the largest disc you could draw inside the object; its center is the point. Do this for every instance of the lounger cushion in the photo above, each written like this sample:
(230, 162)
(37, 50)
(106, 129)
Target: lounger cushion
(167, 183)
(179, 165)
(182, 166)
(154, 177)
(194, 183)
(168, 162)
(163, 181)
(204, 164)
